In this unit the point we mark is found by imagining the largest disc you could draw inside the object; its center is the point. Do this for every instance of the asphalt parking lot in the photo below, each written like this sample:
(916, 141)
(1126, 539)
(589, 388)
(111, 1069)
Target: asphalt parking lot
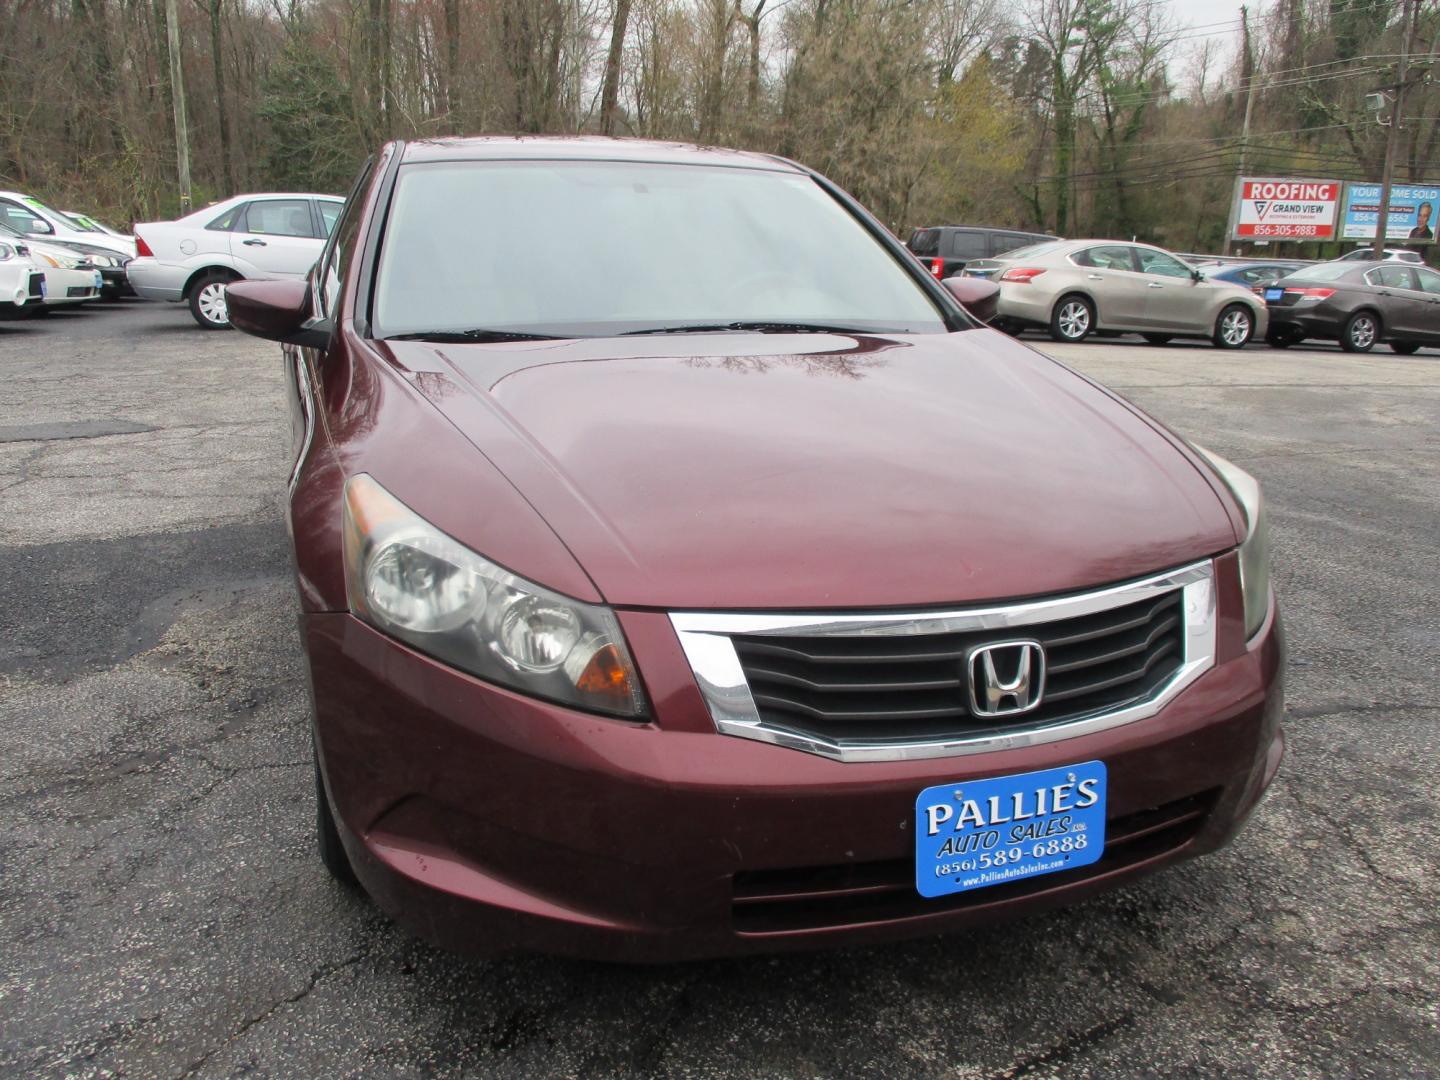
(162, 912)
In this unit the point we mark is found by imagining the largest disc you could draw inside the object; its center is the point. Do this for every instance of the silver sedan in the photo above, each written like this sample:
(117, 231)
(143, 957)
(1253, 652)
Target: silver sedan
(1073, 288)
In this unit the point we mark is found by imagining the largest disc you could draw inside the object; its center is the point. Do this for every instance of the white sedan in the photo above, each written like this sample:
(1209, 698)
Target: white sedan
(28, 215)
(249, 236)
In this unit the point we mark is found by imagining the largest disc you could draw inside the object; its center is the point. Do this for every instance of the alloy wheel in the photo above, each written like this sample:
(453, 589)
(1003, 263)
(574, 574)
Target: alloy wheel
(1074, 319)
(1362, 332)
(1235, 328)
(212, 304)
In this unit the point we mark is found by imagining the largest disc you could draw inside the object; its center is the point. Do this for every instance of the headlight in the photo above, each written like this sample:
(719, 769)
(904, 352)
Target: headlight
(410, 580)
(6, 252)
(1255, 551)
(47, 259)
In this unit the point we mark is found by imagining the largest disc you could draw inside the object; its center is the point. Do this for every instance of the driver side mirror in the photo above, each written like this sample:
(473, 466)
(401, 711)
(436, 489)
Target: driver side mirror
(277, 311)
(1196, 275)
(979, 297)
(40, 227)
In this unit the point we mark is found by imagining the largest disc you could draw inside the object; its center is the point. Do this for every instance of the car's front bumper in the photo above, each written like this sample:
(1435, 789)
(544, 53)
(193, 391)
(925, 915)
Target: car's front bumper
(488, 821)
(154, 280)
(70, 286)
(116, 282)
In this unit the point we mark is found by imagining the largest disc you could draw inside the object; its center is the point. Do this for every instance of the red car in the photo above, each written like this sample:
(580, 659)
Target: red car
(726, 586)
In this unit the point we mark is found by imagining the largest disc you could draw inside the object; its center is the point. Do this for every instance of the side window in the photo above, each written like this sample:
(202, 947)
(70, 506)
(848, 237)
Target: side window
(1157, 262)
(279, 217)
(967, 244)
(1393, 277)
(16, 216)
(1107, 257)
(226, 221)
(1429, 280)
(340, 251)
(925, 241)
(329, 214)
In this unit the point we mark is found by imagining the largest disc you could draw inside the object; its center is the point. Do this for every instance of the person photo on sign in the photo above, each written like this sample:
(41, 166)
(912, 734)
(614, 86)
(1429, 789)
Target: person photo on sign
(1422, 230)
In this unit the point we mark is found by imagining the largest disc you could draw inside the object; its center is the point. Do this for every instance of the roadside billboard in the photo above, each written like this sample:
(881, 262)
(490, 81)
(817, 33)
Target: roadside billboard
(1412, 212)
(1283, 208)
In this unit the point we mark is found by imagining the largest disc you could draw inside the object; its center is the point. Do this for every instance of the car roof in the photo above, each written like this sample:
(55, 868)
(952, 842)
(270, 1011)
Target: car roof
(586, 148)
(988, 228)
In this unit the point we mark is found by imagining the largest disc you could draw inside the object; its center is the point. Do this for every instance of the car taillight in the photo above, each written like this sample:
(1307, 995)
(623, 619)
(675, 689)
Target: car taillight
(937, 267)
(1317, 294)
(142, 248)
(1022, 274)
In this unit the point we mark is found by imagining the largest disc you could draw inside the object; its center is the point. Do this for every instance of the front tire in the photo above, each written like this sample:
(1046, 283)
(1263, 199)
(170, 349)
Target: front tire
(1072, 320)
(1361, 332)
(207, 302)
(1234, 327)
(1404, 348)
(327, 833)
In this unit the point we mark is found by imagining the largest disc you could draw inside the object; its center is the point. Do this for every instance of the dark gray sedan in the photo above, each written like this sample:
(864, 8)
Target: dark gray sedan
(1357, 304)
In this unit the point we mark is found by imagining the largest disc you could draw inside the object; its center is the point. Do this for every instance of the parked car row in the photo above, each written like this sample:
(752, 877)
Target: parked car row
(1073, 289)
(49, 258)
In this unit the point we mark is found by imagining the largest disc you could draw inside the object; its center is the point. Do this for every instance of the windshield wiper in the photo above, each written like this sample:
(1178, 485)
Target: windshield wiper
(759, 326)
(480, 334)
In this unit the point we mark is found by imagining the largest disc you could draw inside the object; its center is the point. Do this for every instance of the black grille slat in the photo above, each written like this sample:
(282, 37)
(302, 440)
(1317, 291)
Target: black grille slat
(886, 687)
(880, 712)
(769, 675)
(1111, 651)
(1110, 681)
(904, 651)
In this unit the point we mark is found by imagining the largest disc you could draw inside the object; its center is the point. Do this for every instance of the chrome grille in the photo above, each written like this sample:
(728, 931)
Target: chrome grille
(915, 687)
(884, 686)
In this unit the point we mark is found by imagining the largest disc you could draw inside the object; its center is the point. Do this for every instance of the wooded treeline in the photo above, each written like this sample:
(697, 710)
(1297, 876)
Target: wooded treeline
(1083, 117)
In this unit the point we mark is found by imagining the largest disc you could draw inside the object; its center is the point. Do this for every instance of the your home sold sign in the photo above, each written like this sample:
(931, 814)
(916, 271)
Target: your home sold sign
(1285, 209)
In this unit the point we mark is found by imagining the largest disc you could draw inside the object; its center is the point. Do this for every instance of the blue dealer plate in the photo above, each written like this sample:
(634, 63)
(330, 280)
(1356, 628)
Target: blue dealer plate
(1008, 828)
(1274, 294)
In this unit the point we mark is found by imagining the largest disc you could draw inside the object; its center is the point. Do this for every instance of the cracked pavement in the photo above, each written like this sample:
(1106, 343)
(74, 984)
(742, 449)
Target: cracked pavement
(162, 912)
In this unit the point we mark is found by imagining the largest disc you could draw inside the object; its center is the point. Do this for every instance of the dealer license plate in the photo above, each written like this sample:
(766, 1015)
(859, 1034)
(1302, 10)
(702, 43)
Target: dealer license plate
(1274, 294)
(990, 832)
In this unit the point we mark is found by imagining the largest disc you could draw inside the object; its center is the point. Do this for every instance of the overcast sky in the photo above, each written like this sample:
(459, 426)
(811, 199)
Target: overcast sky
(1199, 21)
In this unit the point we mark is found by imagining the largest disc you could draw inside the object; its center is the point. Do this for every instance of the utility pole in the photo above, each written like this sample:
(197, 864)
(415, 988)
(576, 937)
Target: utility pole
(1392, 140)
(177, 87)
(1249, 109)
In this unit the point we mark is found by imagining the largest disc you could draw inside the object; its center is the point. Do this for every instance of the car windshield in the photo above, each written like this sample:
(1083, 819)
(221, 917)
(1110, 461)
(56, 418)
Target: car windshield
(578, 249)
(46, 211)
(81, 222)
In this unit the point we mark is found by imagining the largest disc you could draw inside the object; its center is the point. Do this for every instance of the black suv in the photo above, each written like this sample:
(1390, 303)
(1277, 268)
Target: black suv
(945, 249)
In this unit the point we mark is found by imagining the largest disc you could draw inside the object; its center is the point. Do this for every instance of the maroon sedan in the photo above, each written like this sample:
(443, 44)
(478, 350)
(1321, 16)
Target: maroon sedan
(686, 572)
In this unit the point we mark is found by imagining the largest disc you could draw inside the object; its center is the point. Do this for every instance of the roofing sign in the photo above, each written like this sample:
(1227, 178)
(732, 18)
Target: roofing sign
(1286, 209)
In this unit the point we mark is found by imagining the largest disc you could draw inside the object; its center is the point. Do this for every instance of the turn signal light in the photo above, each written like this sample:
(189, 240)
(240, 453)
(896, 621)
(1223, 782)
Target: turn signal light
(1022, 274)
(607, 676)
(1318, 294)
(142, 248)
(937, 267)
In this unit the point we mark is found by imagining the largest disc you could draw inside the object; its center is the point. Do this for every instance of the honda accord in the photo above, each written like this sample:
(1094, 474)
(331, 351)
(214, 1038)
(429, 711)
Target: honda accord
(684, 571)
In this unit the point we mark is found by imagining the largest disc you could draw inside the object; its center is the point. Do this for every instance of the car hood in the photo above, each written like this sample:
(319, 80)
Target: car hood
(751, 471)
